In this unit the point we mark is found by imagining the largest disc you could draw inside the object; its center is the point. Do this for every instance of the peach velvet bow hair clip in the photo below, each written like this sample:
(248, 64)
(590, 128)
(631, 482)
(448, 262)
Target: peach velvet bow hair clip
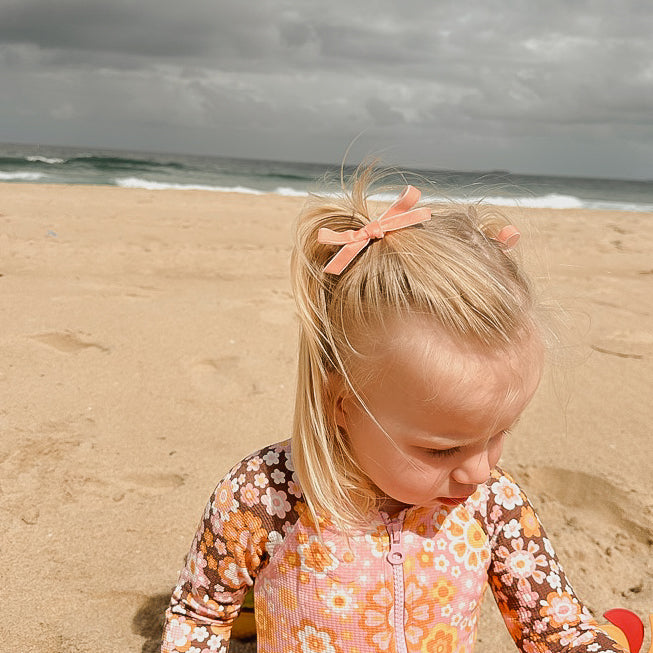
(401, 213)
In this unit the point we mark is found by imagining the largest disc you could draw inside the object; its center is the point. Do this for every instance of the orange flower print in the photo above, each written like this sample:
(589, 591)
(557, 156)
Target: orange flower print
(420, 608)
(441, 639)
(316, 557)
(529, 523)
(315, 640)
(224, 500)
(443, 591)
(561, 609)
(375, 619)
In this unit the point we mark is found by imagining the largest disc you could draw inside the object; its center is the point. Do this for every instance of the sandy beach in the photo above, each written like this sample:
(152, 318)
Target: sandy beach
(147, 343)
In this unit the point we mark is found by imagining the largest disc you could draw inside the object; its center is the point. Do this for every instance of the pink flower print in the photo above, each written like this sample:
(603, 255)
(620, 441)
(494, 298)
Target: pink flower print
(293, 489)
(271, 458)
(522, 563)
(506, 493)
(224, 500)
(275, 502)
(254, 464)
(249, 495)
(278, 476)
(495, 513)
(260, 480)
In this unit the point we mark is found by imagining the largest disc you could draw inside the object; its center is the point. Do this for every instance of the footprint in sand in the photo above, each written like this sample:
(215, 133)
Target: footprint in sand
(578, 491)
(220, 376)
(67, 342)
(152, 482)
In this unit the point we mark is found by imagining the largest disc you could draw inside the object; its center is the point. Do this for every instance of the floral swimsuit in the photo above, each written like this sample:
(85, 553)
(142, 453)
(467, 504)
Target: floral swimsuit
(406, 584)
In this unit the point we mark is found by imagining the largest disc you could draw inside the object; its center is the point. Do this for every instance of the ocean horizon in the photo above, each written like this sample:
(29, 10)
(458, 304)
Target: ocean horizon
(20, 163)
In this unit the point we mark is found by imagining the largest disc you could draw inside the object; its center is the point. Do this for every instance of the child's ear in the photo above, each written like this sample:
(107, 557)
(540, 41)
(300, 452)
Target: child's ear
(337, 395)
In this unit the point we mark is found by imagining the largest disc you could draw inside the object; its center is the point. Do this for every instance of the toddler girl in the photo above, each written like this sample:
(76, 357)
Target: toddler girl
(379, 525)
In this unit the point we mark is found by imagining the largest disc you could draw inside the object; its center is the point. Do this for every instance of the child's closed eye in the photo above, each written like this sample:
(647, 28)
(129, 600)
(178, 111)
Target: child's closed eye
(441, 453)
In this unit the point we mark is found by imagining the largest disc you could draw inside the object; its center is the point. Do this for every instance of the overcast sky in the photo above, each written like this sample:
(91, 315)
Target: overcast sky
(549, 86)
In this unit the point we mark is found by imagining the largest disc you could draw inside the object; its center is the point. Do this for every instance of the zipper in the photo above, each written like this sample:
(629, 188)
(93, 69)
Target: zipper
(395, 558)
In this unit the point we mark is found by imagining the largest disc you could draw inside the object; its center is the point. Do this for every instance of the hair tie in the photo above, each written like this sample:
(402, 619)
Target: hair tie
(400, 214)
(508, 236)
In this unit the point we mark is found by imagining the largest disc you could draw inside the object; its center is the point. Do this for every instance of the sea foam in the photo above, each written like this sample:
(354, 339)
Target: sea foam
(21, 176)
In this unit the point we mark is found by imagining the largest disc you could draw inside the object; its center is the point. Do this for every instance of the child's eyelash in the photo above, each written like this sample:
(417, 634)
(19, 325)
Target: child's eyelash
(450, 452)
(443, 452)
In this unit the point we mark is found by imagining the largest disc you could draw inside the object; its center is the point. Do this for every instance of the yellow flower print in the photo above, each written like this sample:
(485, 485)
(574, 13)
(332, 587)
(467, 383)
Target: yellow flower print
(469, 542)
(441, 639)
(443, 591)
(530, 525)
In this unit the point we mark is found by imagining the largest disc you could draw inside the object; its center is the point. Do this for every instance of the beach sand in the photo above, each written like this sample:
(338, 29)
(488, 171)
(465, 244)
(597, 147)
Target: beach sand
(147, 343)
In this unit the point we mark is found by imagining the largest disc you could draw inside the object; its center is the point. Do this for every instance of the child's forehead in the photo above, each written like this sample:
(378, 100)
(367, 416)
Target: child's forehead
(419, 355)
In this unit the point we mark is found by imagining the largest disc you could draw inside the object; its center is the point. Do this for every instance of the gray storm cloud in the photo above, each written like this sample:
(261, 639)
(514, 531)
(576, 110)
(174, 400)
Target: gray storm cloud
(561, 87)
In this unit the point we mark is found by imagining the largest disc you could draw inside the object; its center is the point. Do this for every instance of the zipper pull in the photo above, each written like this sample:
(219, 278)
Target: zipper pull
(395, 556)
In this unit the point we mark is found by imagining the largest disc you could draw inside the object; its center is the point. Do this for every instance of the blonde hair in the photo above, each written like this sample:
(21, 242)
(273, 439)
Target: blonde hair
(450, 269)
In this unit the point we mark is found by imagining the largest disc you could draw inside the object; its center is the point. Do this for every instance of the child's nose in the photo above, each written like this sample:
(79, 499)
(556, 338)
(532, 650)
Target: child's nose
(474, 470)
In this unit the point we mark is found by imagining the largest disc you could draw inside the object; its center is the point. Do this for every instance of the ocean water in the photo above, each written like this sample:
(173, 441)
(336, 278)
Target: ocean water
(65, 165)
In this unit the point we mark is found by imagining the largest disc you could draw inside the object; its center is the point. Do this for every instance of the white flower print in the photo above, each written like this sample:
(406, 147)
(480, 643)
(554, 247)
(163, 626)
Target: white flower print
(274, 539)
(275, 502)
(200, 634)
(215, 644)
(512, 529)
(506, 493)
(260, 480)
(254, 464)
(278, 476)
(441, 563)
(553, 579)
(271, 458)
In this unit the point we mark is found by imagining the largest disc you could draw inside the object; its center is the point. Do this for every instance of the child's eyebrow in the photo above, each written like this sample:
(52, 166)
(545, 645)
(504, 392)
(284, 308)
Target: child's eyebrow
(426, 439)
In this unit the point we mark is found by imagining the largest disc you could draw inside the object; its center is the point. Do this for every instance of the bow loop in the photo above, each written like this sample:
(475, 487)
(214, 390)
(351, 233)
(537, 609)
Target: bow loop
(401, 213)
